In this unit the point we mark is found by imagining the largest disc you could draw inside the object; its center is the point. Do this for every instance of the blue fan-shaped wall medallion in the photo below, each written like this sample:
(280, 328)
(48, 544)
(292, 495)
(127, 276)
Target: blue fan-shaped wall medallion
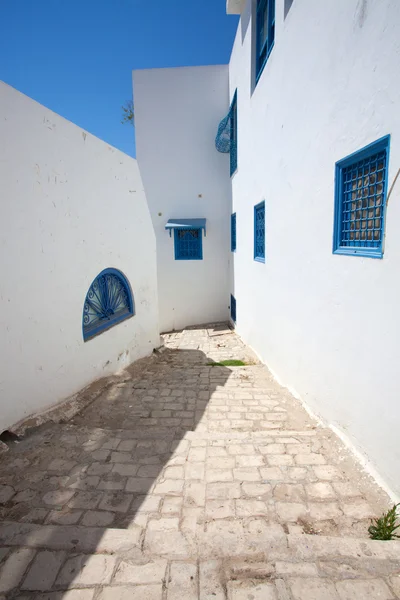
(108, 302)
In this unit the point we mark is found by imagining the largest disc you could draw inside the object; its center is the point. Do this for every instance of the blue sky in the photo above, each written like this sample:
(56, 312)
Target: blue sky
(77, 56)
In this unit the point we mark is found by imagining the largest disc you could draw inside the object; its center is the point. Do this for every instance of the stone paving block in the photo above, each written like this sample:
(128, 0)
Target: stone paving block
(139, 485)
(290, 511)
(61, 466)
(280, 460)
(345, 489)
(249, 508)
(89, 482)
(213, 475)
(271, 473)
(98, 468)
(211, 585)
(310, 459)
(358, 509)
(241, 449)
(256, 489)
(172, 505)
(246, 474)
(197, 455)
(301, 569)
(147, 503)
(289, 492)
(220, 462)
(220, 509)
(58, 497)
(369, 588)
(194, 471)
(150, 471)
(98, 518)
(43, 571)
(172, 546)
(85, 594)
(250, 461)
(272, 449)
(395, 583)
(121, 457)
(313, 589)
(64, 517)
(126, 445)
(13, 569)
(139, 574)
(328, 473)
(85, 500)
(117, 502)
(169, 487)
(195, 493)
(175, 472)
(163, 524)
(321, 511)
(251, 590)
(86, 570)
(320, 491)
(182, 581)
(141, 592)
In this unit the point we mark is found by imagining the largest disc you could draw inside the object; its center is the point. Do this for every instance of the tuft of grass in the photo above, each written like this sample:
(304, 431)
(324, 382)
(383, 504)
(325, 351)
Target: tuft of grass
(384, 528)
(227, 363)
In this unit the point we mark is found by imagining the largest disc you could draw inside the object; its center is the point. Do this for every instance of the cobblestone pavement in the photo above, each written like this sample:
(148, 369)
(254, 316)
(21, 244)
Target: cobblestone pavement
(186, 480)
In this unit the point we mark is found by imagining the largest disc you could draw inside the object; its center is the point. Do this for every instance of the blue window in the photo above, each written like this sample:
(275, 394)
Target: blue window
(233, 134)
(108, 302)
(360, 198)
(259, 232)
(233, 309)
(265, 27)
(188, 244)
(233, 232)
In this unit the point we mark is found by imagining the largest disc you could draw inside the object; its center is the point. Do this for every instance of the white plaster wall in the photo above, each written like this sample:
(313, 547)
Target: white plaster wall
(327, 325)
(177, 112)
(70, 206)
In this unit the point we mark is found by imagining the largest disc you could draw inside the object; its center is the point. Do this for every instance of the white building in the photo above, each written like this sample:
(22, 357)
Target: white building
(315, 83)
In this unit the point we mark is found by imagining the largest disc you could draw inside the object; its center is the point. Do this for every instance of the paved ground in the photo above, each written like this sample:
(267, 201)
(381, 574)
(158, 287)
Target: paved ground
(184, 480)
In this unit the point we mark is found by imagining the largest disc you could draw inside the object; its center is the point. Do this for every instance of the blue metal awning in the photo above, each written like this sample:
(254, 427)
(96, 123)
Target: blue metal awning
(185, 224)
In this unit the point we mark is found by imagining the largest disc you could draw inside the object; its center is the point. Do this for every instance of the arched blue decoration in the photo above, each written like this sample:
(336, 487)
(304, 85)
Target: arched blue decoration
(108, 302)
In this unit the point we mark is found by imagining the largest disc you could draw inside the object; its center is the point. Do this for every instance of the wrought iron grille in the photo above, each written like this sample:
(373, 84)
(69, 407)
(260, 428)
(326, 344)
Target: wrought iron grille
(259, 232)
(233, 232)
(188, 244)
(360, 200)
(226, 140)
(233, 308)
(108, 302)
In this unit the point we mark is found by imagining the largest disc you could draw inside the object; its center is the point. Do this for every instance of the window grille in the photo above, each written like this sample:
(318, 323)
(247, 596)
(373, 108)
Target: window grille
(233, 232)
(360, 198)
(233, 308)
(108, 302)
(188, 244)
(259, 232)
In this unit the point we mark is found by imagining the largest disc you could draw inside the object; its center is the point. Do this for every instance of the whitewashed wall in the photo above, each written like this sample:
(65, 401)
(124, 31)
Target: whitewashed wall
(70, 206)
(327, 325)
(177, 112)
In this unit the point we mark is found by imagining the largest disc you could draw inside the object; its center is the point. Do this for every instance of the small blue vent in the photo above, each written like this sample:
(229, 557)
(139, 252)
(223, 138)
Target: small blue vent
(233, 308)
(259, 232)
(188, 244)
(108, 302)
(233, 232)
(360, 199)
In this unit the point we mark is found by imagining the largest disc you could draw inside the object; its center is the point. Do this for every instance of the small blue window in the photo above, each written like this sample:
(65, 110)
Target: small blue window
(233, 309)
(108, 302)
(233, 134)
(360, 199)
(233, 232)
(188, 244)
(259, 232)
(265, 27)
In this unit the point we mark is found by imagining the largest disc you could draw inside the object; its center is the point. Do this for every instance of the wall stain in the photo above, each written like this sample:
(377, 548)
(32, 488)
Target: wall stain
(361, 12)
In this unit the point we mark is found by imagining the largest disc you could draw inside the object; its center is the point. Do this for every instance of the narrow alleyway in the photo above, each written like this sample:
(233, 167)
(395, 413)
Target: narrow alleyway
(184, 480)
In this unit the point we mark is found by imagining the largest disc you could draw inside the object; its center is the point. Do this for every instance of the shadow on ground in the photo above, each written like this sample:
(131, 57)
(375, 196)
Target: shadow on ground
(119, 461)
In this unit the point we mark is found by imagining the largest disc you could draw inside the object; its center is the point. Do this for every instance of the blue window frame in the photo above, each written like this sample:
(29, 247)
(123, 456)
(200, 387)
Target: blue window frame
(188, 244)
(233, 308)
(265, 28)
(108, 302)
(233, 135)
(233, 232)
(259, 232)
(360, 199)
